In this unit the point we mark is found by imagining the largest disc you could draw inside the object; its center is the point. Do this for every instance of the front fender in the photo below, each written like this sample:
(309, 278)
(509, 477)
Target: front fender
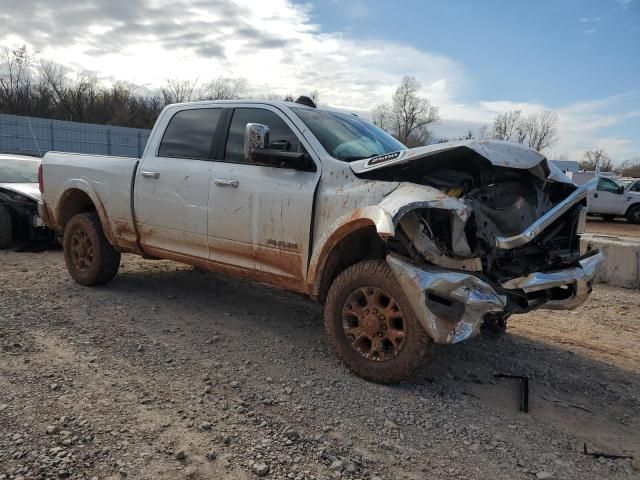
(359, 218)
(384, 217)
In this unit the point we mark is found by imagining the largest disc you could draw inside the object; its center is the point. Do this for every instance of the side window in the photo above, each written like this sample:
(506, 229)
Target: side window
(605, 185)
(190, 134)
(635, 187)
(280, 135)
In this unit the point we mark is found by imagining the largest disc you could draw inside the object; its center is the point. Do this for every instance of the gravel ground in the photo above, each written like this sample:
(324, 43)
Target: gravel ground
(170, 373)
(619, 227)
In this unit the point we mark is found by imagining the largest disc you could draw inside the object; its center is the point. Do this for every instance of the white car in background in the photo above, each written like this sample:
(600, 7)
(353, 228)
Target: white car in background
(611, 199)
(19, 197)
(630, 184)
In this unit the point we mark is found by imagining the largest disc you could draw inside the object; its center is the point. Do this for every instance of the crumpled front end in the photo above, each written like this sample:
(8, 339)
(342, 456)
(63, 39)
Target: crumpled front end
(452, 306)
(483, 230)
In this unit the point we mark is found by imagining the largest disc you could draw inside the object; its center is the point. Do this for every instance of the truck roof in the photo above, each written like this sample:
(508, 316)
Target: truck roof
(273, 103)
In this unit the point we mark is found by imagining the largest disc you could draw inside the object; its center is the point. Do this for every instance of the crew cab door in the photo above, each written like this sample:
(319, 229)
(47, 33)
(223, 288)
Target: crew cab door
(260, 216)
(172, 185)
(607, 198)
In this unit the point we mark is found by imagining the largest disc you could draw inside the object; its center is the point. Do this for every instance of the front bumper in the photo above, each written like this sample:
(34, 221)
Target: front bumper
(452, 305)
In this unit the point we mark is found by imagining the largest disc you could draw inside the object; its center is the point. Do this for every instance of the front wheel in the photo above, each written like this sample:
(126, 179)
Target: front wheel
(633, 214)
(90, 258)
(371, 326)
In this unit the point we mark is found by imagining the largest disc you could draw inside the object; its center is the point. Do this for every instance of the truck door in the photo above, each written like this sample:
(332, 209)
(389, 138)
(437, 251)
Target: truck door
(172, 185)
(608, 198)
(260, 215)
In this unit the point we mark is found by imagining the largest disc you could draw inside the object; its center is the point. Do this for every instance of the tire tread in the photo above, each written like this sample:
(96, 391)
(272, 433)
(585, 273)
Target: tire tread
(401, 368)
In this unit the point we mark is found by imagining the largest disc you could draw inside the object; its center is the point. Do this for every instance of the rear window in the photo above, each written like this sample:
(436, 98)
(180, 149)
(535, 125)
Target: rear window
(190, 134)
(18, 171)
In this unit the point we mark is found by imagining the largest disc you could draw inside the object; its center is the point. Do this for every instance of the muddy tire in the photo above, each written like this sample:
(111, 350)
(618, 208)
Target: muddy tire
(371, 326)
(633, 214)
(5, 227)
(90, 258)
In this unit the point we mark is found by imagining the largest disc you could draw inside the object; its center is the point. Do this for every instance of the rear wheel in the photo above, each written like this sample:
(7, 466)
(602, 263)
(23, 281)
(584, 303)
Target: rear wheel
(633, 214)
(5, 227)
(90, 258)
(371, 326)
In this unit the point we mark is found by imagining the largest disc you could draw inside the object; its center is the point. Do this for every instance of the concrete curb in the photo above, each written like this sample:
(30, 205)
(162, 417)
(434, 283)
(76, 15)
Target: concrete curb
(621, 267)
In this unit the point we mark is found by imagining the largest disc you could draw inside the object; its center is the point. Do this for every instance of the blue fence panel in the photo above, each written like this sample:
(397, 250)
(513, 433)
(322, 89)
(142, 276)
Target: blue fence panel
(36, 136)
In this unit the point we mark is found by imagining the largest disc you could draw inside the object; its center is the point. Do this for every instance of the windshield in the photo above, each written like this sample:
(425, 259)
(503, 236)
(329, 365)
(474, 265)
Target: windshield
(18, 171)
(626, 183)
(347, 137)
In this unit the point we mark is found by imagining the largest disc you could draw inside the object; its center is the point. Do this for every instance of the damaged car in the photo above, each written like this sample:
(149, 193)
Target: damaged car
(19, 196)
(405, 247)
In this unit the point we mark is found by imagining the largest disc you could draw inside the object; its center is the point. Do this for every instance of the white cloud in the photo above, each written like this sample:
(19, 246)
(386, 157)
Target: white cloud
(277, 48)
(624, 4)
(580, 125)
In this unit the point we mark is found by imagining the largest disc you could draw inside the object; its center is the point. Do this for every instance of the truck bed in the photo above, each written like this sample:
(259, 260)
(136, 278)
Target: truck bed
(107, 180)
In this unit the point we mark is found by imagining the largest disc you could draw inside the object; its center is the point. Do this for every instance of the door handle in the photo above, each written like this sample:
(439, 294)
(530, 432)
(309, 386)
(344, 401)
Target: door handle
(223, 182)
(595, 195)
(150, 174)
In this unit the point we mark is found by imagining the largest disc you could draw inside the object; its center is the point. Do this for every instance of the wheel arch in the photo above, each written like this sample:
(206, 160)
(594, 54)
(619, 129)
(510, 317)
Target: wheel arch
(359, 236)
(78, 198)
(633, 205)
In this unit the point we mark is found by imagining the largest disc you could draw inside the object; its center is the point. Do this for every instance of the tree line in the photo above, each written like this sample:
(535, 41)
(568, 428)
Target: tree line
(410, 118)
(43, 88)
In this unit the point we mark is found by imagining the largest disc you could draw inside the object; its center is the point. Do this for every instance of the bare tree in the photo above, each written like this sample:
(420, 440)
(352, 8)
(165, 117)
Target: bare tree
(596, 158)
(506, 125)
(15, 77)
(538, 130)
(315, 97)
(381, 116)
(178, 91)
(484, 132)
(222, 89)
(630, 167)
(408, 116)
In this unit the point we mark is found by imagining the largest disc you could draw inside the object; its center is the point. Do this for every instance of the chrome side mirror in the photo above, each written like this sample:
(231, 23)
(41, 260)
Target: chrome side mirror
(256, 136)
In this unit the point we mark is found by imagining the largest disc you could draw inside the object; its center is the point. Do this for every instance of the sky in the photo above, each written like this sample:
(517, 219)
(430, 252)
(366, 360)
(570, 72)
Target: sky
(474, 59)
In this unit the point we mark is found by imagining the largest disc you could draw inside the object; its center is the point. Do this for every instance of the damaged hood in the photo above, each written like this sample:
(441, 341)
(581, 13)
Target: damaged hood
(498, 153)
(29, 190)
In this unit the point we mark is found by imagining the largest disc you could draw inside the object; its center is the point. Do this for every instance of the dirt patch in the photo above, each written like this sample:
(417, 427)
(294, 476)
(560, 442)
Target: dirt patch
(619, 227)
(168, 372)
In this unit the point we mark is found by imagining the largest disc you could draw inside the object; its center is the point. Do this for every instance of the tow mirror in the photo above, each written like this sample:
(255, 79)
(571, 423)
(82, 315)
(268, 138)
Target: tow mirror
(256, 136)
(257, 149)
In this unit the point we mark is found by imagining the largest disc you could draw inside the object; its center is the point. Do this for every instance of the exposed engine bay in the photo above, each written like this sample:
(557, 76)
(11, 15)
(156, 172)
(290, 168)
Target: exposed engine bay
(501, 202)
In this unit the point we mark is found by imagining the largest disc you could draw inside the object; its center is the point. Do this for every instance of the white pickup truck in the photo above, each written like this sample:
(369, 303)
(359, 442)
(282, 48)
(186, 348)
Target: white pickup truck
(611, 199)
(405, 247)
